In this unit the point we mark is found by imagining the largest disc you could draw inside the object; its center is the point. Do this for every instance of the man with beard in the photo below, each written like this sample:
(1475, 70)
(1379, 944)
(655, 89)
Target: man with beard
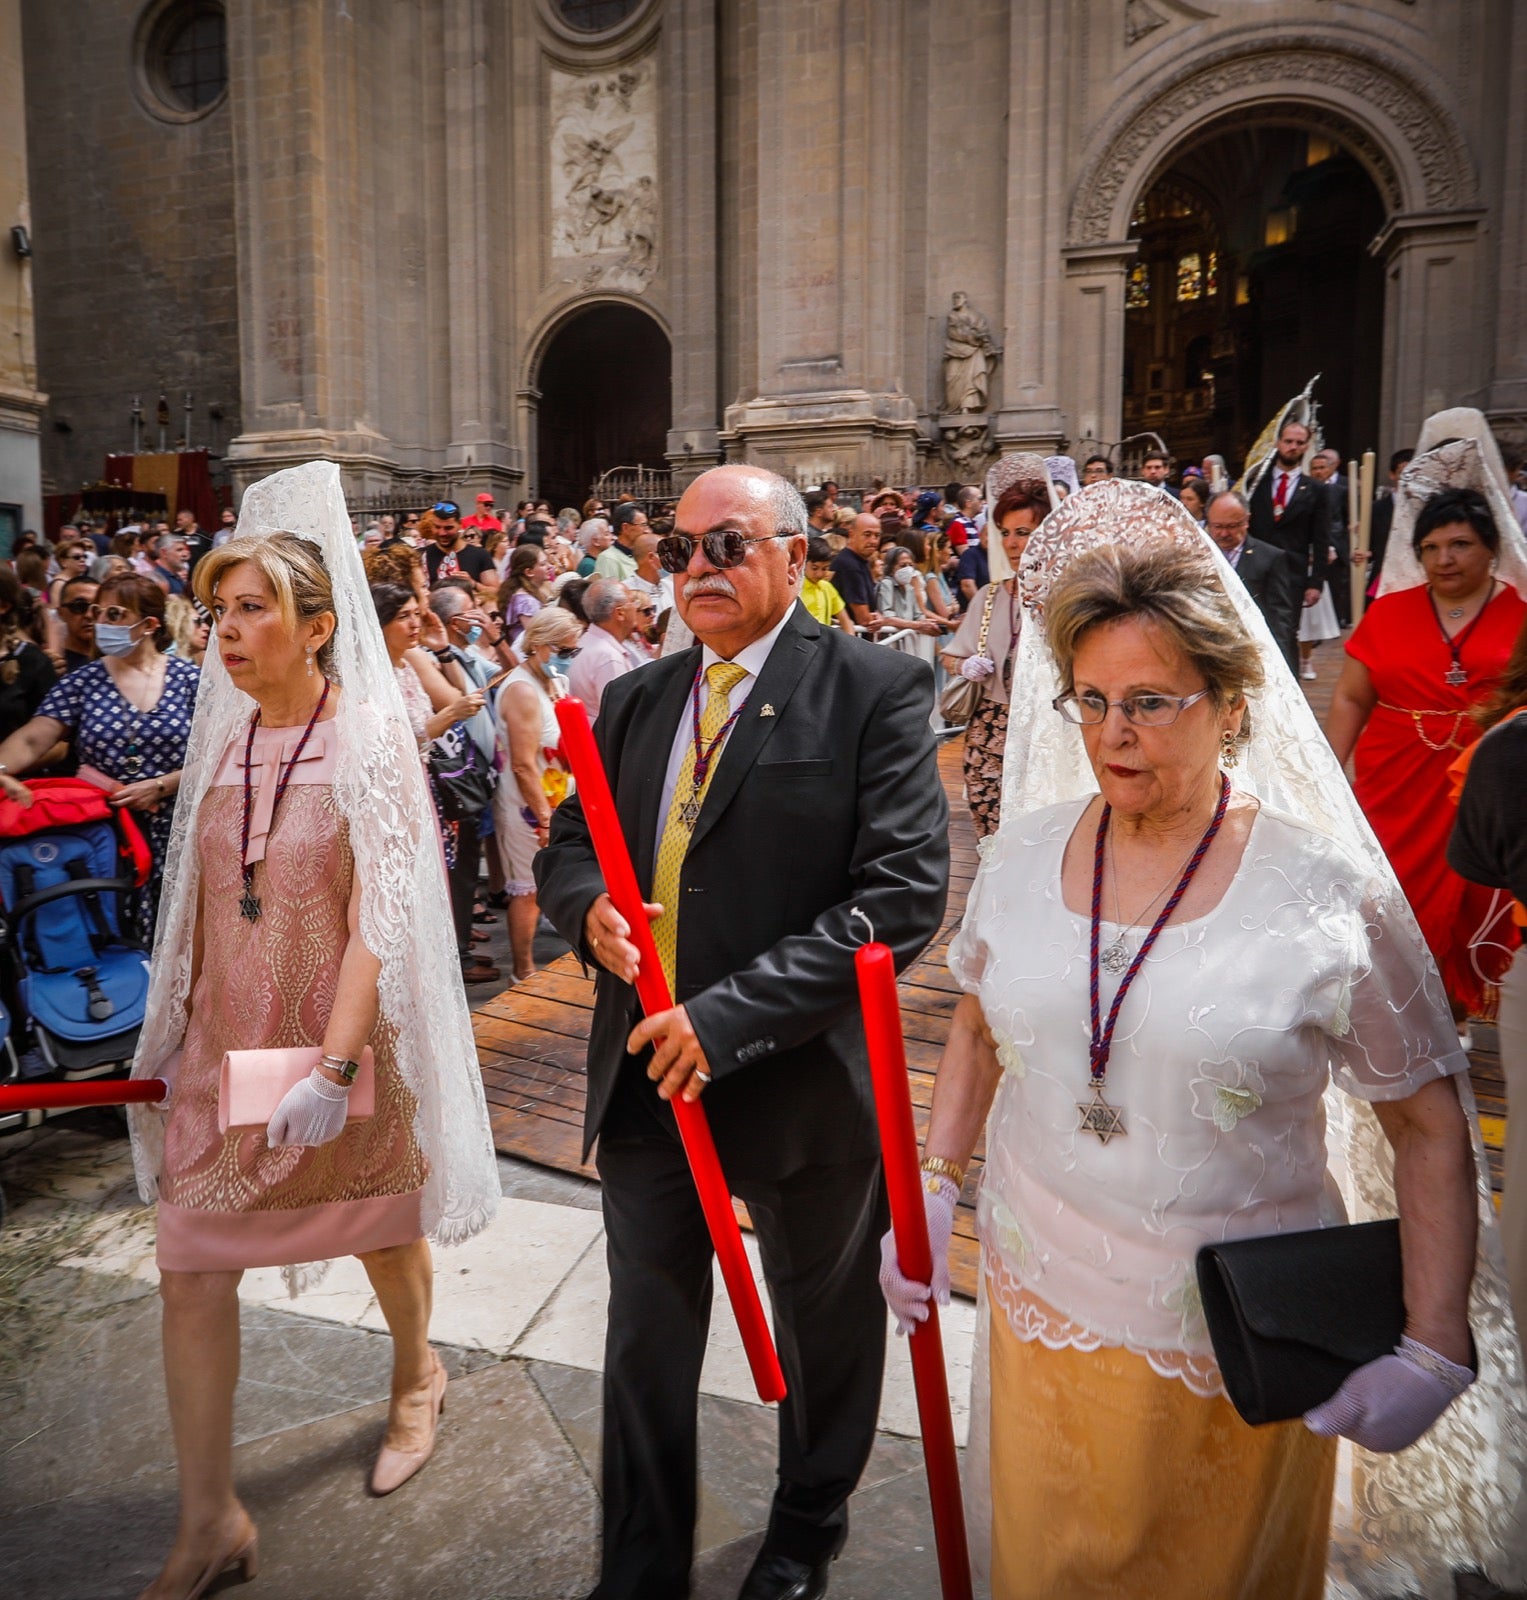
(770, 730)
(1291, 510)
(449, 555)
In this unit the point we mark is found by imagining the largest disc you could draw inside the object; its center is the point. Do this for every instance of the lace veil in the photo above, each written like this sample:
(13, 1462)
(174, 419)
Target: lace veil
(1456, 450)
(1259, 458)
(1455, 1498)
(380, 790)
(1020, 468)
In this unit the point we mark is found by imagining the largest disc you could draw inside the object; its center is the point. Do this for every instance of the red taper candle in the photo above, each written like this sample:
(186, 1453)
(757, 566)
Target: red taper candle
(652, 989)
(914, 1255)
(72, 1096)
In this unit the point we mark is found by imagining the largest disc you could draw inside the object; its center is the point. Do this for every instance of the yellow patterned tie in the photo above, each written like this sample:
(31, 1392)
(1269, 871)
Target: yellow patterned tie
(684, 809)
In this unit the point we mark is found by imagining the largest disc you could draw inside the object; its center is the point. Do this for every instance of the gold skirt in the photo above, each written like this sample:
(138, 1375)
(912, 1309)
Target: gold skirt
(1109, 1482)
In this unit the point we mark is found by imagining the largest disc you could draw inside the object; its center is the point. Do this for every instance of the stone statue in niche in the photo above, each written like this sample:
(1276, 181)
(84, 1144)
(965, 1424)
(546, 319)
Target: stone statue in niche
(604, 176)
(968, 356)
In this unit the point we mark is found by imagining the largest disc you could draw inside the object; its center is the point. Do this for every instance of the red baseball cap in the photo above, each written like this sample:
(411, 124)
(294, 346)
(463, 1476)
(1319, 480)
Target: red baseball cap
(485, 499)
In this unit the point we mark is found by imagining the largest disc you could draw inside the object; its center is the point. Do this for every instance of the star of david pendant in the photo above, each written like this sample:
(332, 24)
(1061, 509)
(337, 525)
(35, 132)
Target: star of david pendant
(1456, 675)
(249, 906)
(689, 812)
(1116, 957)
(1100, 1118)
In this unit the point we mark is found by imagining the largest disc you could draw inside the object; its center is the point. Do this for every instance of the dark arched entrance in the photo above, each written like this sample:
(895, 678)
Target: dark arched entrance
(1253, 274)
(606, 385)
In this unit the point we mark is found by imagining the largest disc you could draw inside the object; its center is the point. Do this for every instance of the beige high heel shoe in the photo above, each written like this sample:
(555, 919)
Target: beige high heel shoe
(395, 1467)
(246, 1557)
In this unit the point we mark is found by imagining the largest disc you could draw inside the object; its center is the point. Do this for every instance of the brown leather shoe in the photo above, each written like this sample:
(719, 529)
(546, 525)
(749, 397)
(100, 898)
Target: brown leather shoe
(480, 972)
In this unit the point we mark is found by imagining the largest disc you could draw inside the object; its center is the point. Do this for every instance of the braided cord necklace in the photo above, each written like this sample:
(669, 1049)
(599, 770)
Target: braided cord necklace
(1097, 1116)
(249, 904)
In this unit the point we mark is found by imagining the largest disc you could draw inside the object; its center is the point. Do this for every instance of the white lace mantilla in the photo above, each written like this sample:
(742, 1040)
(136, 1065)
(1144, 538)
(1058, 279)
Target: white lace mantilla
(1455, 1499)
(379, 787)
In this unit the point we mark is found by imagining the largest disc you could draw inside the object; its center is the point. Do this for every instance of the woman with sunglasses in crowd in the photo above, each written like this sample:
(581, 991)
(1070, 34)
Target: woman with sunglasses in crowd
(129, 714)
(26, 674)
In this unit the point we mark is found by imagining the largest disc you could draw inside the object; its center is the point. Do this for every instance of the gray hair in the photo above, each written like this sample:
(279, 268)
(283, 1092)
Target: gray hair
(1227, 494)
(786, 507)
(448, 601)
(585, 535)
(603, 597)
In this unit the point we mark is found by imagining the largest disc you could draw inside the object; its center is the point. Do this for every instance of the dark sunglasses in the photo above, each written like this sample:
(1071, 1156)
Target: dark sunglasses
(77, 607)
(723, 547)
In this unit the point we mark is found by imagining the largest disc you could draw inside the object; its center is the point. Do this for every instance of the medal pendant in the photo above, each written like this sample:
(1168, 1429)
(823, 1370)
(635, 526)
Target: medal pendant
(249, 906)
(1456, 675)
(131, 765)
(1116, 957)
(1100, 1118)
(689, 812)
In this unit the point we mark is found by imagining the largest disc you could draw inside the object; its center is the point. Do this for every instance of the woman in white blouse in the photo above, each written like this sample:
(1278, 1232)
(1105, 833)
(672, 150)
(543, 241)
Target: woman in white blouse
(1259, 959)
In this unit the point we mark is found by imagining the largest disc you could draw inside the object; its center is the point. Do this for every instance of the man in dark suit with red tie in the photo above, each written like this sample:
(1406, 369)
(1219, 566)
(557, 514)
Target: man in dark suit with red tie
(771, 781)
(1291, 510)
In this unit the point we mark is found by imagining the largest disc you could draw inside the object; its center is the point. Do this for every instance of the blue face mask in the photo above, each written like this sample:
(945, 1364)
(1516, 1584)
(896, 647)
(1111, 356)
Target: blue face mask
(561, 664)
(474, 633)
(115, 638)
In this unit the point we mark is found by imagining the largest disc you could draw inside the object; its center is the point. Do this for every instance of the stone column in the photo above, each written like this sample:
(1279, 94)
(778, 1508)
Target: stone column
(1431, 347)
(1092, 334)
(826, 398)
(1039, 71)
(21, 404)
(1507, 395)
(690, 232)
(301, 171)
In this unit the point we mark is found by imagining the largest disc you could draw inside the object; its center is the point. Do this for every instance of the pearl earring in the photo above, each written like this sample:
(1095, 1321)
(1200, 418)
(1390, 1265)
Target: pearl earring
(310, 663)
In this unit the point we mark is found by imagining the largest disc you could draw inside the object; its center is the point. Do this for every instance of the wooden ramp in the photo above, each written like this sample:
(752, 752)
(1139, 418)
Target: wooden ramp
(531, 1039)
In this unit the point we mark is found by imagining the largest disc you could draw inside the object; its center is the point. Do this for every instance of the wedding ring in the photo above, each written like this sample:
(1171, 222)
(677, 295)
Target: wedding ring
(704, 1077)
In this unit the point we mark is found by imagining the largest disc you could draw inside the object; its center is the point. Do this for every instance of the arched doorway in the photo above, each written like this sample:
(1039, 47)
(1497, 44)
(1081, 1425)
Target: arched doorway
(1253, 274)
(606, 385)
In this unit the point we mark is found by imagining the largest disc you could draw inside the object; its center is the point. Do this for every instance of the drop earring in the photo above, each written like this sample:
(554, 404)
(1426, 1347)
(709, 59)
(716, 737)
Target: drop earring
(1228, 754)
(310, 663)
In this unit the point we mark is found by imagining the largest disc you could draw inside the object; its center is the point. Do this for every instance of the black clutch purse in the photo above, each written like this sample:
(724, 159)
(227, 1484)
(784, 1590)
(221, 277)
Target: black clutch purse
(1292, 1314)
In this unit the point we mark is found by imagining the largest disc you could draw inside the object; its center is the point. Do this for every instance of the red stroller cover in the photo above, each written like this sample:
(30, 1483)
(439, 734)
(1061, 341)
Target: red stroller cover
(71, 803)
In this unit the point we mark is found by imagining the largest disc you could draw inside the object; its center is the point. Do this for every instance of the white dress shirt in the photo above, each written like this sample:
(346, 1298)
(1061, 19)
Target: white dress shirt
(600, 660)
(751, 660)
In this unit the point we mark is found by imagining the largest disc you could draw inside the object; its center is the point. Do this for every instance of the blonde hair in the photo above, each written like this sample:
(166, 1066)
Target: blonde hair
(551, 625)
(290, 565)
(180, 624)
(1176, 590)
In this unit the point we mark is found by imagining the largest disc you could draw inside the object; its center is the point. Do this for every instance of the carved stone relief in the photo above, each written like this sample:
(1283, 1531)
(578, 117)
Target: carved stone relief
(604, 195)
(1434, 142)
(1140, 18)
(968, 448)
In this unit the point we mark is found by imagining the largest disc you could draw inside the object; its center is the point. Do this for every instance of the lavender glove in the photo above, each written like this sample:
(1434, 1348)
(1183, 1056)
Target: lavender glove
(908, 1300)
(311, 1112)
(977, 668)
(1389, 1403)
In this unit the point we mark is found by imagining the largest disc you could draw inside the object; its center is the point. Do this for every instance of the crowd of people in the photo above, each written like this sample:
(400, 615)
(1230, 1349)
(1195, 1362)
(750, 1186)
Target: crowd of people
(765, 669)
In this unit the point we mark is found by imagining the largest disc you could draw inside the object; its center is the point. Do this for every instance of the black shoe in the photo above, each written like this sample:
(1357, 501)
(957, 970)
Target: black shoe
(777, 1577)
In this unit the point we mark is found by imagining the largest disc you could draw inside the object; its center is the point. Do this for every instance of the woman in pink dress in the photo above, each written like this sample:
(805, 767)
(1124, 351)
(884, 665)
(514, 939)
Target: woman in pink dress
(303, 898)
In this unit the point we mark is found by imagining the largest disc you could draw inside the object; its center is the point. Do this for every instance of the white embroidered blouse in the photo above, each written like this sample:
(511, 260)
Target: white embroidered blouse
(1223, 1049)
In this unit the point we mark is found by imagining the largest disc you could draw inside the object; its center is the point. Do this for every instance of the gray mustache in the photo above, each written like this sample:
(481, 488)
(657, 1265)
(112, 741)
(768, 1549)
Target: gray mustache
(711, 583)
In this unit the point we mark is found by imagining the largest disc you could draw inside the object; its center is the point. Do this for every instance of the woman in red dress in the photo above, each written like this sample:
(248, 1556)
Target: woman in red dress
(1421, 658)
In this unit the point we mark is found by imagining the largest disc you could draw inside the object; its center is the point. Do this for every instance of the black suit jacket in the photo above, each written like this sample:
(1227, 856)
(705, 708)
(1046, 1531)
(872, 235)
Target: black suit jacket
(830, 803)
(1270, 581)
(1304, 529)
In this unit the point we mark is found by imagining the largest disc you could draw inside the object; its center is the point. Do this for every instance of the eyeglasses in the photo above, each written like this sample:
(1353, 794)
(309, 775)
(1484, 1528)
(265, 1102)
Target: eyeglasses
(1143, 710)
(113, 614)
(723, 547)
(77, 607)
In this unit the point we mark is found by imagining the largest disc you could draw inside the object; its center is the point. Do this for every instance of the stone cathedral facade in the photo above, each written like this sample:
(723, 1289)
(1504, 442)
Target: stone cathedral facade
(467, 244)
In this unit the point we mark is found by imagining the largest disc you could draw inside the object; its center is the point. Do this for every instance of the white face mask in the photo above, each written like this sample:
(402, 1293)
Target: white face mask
(904, 576)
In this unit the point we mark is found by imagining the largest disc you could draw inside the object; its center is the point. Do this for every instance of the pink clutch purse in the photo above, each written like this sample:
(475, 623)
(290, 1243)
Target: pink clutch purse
(254, 1082)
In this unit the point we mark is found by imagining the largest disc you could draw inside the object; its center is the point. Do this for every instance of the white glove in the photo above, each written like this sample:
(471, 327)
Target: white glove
(908, 1300)
(311, 1112)
(977, 668)
(1389, 1403)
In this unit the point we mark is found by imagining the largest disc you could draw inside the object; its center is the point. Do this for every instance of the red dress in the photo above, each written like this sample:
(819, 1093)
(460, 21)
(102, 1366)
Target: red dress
(1401, 764)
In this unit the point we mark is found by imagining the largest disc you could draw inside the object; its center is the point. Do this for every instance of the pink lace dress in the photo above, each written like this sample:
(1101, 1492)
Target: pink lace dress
(229, 1200)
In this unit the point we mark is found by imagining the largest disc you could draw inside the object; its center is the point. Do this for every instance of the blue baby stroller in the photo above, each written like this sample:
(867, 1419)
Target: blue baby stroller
(77, 982)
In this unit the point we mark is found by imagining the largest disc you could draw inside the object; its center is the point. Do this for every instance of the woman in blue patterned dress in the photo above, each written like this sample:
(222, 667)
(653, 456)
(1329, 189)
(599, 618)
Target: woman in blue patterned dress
(129, 715)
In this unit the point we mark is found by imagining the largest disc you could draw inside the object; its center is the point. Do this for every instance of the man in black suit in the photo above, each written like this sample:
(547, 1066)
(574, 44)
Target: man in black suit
(1261, 567)
(1291, 510)
(822, 796)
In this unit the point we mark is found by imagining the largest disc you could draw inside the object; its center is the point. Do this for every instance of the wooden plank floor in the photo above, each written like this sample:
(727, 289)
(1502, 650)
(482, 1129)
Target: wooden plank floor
(531, 1039)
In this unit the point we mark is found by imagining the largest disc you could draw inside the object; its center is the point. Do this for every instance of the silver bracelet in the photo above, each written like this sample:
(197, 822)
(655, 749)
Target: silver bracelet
(1449, 1373)
(345, 1068)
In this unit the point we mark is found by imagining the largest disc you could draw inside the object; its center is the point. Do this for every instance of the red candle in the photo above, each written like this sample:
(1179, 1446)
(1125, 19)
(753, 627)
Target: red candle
(95, 1092)
(914, 1255)
(652, 989)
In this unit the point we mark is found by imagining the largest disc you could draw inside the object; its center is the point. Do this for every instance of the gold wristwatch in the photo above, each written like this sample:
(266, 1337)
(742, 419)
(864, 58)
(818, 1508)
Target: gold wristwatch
(936, 1167)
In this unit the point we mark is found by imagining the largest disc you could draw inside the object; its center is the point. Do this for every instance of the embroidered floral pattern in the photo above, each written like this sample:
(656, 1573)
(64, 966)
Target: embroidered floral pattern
(1008, 1056)
(1226, 1091)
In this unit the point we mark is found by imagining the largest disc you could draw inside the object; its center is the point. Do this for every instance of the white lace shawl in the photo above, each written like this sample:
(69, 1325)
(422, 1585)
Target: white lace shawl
(1455, 1499)
(380, 790)
(1456, 450)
